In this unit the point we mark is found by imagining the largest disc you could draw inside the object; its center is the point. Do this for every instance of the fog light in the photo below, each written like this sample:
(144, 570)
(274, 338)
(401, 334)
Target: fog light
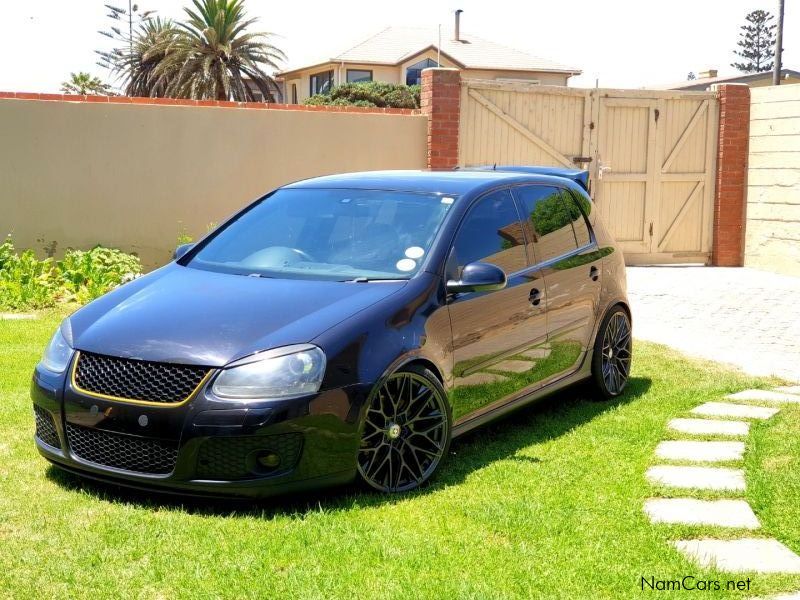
(270, 460)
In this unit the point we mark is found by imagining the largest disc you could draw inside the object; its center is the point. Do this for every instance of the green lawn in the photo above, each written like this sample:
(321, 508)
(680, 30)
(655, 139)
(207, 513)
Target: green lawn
(544, 504)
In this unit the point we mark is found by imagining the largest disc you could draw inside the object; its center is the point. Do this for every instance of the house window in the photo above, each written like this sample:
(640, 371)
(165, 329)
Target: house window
(358, 75)
(414, 72)
(321, 83)
(294, 93)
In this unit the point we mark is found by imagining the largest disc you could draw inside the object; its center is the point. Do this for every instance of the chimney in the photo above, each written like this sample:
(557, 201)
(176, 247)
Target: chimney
(457, 36)
(707, 73)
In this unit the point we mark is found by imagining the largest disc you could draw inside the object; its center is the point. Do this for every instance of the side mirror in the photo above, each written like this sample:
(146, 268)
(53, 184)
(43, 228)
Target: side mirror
(181, 250)
(478, 277)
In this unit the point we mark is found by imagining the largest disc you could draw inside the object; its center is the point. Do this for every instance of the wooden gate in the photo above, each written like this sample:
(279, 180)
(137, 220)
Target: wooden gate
(651, 155)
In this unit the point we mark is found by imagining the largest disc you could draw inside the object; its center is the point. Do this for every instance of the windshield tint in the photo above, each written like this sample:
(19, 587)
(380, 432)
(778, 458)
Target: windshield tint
(328, 234)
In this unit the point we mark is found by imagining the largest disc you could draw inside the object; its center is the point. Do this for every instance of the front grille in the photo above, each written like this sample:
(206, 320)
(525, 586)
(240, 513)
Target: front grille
(230, 458)
(131, 379)
(131, 453)
(46, 427)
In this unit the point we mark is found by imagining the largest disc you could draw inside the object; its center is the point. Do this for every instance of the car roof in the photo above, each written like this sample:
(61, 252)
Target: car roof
(457, 182)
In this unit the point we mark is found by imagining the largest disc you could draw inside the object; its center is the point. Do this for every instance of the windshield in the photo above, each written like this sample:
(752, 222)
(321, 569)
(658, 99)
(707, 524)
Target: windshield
(328, 234)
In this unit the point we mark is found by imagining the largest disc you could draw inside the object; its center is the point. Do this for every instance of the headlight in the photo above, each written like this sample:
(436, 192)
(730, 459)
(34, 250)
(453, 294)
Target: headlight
(280, 373)
(58, 352)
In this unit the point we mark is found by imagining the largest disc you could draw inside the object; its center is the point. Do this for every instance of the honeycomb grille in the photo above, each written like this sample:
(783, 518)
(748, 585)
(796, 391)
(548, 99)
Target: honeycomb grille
(231, 458)
(46, 427)
(142, 455)
(137, 379)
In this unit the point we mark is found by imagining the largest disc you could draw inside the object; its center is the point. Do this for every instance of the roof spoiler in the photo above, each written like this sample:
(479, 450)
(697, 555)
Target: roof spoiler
(576, 175)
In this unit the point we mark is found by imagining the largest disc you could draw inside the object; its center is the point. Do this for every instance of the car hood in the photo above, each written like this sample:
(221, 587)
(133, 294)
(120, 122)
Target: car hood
(186, 315)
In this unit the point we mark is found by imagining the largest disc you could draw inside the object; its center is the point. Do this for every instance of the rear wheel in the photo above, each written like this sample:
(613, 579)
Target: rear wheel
(406, 431)
(611, 361)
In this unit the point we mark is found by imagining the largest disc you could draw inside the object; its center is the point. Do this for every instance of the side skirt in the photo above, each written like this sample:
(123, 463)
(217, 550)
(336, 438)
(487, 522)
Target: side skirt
(576, 377)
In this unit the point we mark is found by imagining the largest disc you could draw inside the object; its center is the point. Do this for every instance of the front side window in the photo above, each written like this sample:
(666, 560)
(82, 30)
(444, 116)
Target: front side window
(548, 219)
(358, 75)
(492, 233)
(321, 83)
(336, 234)
(414, 72)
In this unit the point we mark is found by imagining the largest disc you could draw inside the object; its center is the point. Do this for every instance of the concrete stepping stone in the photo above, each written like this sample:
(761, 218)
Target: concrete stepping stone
(764, 396)
(536, 353)
(709, 427)
(699, 478)
(743, 555)
(480, 379)
(689, 511)
(728, 409)
(700, 451)
(789, 389)
(515, 366)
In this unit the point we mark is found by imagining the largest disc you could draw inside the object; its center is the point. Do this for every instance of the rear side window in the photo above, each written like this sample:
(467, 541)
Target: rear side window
(578, 220)
(548, 218)
(492, 233)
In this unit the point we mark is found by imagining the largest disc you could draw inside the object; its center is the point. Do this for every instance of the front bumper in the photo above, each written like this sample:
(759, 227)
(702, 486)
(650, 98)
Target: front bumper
(207, 446)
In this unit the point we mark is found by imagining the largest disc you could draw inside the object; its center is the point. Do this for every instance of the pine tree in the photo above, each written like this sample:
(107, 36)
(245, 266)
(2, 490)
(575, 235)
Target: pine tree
(756, 43)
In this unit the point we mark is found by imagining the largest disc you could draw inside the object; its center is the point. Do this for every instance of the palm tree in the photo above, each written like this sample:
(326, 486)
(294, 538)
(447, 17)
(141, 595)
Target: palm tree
(136, 61)
(85, 84)
(213, 57)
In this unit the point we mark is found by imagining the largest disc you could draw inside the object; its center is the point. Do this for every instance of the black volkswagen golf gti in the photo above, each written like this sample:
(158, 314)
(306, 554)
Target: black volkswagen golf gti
(340, 327)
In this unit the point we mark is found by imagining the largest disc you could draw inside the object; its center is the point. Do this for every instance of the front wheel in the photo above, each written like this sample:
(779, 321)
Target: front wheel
(406, 431)
(611, 361)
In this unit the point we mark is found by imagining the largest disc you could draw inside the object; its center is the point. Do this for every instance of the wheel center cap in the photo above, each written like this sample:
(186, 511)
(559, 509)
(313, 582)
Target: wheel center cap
(393, 432)
(610, 354)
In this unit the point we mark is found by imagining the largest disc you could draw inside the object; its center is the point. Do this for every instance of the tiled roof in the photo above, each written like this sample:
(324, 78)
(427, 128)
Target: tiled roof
(393, 45)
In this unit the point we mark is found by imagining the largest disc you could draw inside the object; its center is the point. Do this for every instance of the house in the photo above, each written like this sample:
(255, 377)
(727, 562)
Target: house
(399, 54)
(705, 79)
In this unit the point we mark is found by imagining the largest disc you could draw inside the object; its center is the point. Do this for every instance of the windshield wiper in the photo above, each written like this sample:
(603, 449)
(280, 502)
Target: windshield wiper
(368, 279)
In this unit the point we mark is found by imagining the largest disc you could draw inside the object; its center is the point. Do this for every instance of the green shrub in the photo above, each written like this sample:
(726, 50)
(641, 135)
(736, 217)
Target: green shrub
(184, 237)
(25, 282)
(88, 275)
(369, 93)
(28, 283)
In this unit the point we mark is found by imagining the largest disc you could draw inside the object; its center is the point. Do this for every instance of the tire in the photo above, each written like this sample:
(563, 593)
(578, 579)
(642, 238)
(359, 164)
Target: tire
(611, 359)
(406, 431)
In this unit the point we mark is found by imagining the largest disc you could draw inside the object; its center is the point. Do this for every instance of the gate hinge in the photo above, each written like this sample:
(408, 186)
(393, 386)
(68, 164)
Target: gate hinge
(651, 229)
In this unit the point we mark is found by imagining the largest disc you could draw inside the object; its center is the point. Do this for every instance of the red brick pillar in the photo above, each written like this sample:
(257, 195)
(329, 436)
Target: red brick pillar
(440, 99)
(730, 201)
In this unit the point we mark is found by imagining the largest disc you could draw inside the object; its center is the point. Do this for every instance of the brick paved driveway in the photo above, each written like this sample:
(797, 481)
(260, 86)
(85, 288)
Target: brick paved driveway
(742, 316)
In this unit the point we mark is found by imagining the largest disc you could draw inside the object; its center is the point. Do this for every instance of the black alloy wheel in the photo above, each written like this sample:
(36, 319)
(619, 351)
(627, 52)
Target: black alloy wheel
(406, 431)
(611, 363)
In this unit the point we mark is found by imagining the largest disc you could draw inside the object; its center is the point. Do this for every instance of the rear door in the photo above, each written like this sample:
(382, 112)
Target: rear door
(495, 333)
(566, 253)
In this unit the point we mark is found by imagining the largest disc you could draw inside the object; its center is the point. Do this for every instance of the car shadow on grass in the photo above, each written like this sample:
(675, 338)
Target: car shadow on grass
(501, 440)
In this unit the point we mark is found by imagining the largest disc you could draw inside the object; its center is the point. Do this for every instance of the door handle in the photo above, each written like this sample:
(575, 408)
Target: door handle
(535, 297)
(594, 274)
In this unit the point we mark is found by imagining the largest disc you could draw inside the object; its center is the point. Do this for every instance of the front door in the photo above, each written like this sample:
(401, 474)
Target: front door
(496, 335)
(568, 257)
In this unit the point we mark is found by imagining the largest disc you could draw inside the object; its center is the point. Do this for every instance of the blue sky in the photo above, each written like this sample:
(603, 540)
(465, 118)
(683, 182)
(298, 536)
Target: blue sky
(623, 43)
